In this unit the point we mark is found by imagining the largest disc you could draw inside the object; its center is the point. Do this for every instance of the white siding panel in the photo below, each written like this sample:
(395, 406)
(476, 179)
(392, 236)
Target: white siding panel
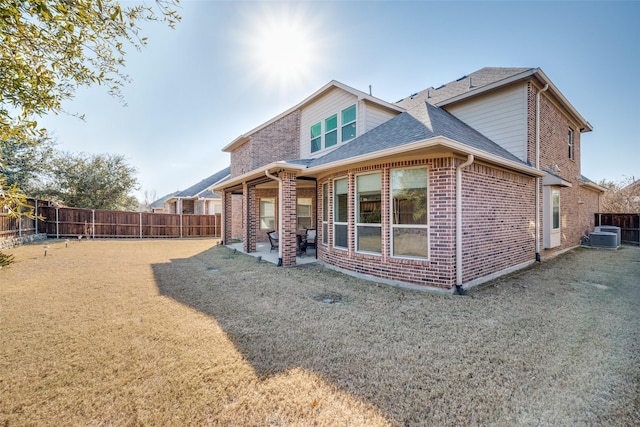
(331, 103)
(375, 116)
(500, 116)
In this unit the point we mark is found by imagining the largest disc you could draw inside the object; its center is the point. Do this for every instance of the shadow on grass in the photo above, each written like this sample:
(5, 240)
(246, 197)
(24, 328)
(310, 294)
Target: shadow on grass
(410, 354)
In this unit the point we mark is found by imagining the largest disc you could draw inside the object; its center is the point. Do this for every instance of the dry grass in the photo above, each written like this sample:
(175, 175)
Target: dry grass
(181, 332)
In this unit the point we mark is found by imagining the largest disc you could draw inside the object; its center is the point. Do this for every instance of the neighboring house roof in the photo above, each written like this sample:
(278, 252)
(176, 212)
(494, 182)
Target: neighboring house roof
(158, 204)
(486, 79)
(586, 182)
(202, 189)
(329, 86)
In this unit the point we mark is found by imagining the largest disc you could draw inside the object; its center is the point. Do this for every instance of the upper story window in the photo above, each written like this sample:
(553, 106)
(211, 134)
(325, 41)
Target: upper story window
(348, 123)
(316, 137)
(337, 128)
(570, 143)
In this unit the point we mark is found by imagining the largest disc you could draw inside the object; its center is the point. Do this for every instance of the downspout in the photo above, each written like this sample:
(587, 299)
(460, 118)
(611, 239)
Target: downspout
(538, 257)
(275, 178)
(469, 161)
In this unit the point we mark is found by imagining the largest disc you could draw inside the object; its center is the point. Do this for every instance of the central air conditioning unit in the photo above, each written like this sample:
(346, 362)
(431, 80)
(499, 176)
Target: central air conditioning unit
(601, 239)
(610, 229)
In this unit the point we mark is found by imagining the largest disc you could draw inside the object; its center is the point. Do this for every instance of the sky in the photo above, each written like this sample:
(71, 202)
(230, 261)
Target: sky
(230, 66)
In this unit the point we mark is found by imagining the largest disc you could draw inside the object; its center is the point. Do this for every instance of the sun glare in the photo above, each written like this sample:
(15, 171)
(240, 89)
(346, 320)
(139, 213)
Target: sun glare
(283, 46)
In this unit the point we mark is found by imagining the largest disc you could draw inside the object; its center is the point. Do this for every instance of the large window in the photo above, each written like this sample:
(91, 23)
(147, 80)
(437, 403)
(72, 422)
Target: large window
(570, 143)
(340, 213)
(331, 131)
(348, 123)
(325, 213)
(409, 213)
(316, 137)
(304, 213)
(368, 213)
(267, 214)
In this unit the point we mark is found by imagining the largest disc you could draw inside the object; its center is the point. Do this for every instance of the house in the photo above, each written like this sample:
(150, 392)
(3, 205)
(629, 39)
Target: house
(198, 199)
(158, 206)
(446, 188)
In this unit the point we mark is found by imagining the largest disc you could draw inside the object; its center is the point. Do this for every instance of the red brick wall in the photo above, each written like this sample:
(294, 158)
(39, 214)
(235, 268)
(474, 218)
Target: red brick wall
(278, 141)
(577, 204)
(439, 270)
(498, 217)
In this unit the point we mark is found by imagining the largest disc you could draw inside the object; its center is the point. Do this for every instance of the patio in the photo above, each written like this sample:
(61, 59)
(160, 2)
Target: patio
(262, 250)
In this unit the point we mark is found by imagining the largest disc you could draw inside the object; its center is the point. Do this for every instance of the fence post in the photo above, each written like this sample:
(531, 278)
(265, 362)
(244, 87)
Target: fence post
(36, 219)
(141, 225)
(57, 225)
(181, 226)
(93, 223)
(20, 224)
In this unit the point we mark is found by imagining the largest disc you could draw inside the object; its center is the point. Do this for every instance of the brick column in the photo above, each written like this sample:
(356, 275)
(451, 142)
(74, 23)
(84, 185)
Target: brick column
(246, 212)
(227, 215)
(289, 218)
(253, 218)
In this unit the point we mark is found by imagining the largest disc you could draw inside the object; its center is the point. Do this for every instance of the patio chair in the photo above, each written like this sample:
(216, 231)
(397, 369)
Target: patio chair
(301, 246)
(274, 239)
(311, 237)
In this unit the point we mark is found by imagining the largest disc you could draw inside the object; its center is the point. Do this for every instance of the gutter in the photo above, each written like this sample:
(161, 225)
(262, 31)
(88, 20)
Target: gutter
(469, 161)
(280, 204)
(538, 257)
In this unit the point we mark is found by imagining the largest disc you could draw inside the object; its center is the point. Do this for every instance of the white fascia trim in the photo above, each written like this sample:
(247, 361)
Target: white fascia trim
(428, 143)
(257, 173)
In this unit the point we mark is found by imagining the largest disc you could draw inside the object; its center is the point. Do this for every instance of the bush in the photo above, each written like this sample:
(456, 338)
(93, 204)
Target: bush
(5, 259)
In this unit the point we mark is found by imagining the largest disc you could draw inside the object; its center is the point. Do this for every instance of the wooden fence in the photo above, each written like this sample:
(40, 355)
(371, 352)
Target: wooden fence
(629, 225)
(89, 223)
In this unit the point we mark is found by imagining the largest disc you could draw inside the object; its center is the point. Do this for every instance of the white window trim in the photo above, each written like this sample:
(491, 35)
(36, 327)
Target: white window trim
(355, 120)
(275, 212)
(356, 206)
(392, 226)
(333, 243)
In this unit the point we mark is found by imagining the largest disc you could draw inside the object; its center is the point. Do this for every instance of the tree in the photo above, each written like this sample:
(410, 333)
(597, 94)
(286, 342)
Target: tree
(50, 48)
(102, 181)
(26, 164)
(621, 197)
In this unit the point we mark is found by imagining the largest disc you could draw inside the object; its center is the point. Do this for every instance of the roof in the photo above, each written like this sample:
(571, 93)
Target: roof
(326, 88)
(160, 202)
(423, 121)
(487, 79)
(201, 189)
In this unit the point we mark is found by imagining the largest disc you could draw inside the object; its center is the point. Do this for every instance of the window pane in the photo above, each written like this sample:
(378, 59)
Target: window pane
(331, 139)
(340, 201)
(325, 202)
(369, 239)
(349, 132)
(267, 214)
(340, 235)
(369, 198)
(325, 233)
(556, 209)
(315, 145)
(349, 114)
(316, 130)
(331, 123)
(409, 196)
(410, 242)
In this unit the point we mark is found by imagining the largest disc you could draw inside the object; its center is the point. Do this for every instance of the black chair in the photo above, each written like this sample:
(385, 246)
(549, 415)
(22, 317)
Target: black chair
(311, 237)
(274, 239)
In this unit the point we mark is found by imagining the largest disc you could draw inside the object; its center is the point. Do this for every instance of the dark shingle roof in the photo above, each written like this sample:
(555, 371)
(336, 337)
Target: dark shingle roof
(203, 185)
(469, 83)
(423, 121)
(160, 202)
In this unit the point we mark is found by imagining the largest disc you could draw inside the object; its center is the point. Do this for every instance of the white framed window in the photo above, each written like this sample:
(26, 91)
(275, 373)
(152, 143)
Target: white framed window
(316, 137)
(268, 214)
(304, 213)
(325, 213)
(551, 217)
(555, 214)
(348, 116)
(570, 143)
(410, 213)
(340, 213)
(331, 131)
(369, 213)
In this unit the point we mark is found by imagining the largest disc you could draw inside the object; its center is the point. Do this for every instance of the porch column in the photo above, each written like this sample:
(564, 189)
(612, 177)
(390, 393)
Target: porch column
(289, 218)
(227, 217)
(246, 209)
(253, 217)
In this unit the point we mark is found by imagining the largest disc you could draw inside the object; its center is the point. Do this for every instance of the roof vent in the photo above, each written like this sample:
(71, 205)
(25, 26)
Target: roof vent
(462, 78)
(440, 87)
(470, 84)
(413, 95)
